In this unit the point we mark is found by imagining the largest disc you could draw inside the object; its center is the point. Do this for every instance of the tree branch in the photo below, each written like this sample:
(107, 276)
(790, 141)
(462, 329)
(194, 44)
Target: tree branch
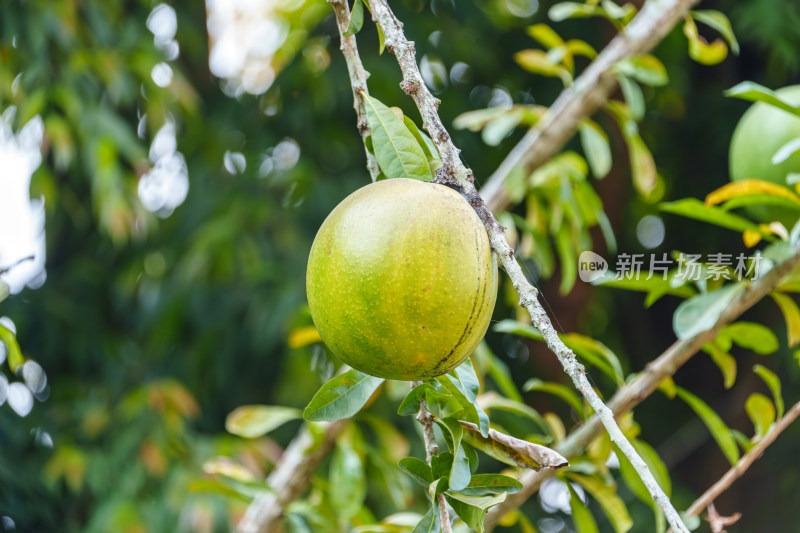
(358, 77)
(290, 478)
(643, 385)
(741, 466)
(590, 90)
(431, 448)
(454, 173)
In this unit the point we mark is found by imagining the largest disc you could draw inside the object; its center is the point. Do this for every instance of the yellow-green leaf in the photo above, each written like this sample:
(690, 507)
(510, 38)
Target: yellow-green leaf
(761, 412)
(791, 313)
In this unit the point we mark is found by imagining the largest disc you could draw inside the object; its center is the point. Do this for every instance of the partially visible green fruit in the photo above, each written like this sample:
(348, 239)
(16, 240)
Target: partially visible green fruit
(762, 130)
(401, 280)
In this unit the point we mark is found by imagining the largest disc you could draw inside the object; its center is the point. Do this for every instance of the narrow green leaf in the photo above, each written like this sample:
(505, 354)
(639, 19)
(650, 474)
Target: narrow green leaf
(342, 396)
(567, 10)
(774, 385)
(753, 336)
(700, 313)
(791, 313)
(724, 361)
(719, 21)
(467, 379)
(644, 68)
(356, 19)
(753, 92)
(654, 463)
(347, 476)
(606, 495)
(430, 521)
(761, 412)
(545, 35)
(250, 421)
(643, 167)
(419, 470)
(460, 470)
(581, 515)
(633, 96)
(485, 484)
(471, 515)
(471, 410)
(697, 210)
(425, 142)
(556, 389)
(595, 145)
(596, 353)
(396, 149)
(720, 431)
(492, 400)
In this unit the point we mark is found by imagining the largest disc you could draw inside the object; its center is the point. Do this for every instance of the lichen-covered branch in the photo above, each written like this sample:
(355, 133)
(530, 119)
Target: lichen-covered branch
(454, 173)
(291, 477)
(741, 466)
(590, 90)
(358, 77)
(644, 384)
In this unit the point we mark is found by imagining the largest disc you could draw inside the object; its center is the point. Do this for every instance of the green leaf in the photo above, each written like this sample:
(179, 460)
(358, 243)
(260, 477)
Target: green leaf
(482, 502)
(753, 92)
(753, 336)
(250, 421)
(410, 404)
(545, 35)
(581, 516)
(492, 400)
(597, 354)
(538, 62)
(791, 314)
(595, 145)
(774, 385)
(701, 312)
(567, 10)
(606, 495)
(471, 515)
(786, 151)
(347, 477)
(419, 470)
(633, 96)
(356, 19)
(644, 68)
(720, 22)
(643, 167)
(471, 410)
(720, 431)
(430, 522)
(467, 379)
(484, 484)
(511, 450)
(425, 142)
(697, 210)
(441, 465)
(701, 50)
(15, 357)
(460, 470)
(556, 389)
(724, 361)
(342, 396)
(396, 149)
(761, 412)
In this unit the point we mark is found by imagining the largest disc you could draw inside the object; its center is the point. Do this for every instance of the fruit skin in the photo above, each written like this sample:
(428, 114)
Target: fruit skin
(401, 280)
(761, 131)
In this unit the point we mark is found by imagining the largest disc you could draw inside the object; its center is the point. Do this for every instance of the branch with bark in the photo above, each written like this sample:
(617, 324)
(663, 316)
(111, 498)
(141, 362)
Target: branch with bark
(590, 91)
(358, 78)
(454, 173)
(290, 479)
(741, 466)
(643, 385)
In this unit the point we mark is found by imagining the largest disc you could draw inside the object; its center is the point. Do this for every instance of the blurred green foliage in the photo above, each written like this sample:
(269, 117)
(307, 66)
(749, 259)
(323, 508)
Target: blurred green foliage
(152, 330)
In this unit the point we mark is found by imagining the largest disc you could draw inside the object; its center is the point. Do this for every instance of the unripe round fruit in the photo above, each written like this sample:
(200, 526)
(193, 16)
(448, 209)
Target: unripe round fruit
(401, 280)
(761, 131)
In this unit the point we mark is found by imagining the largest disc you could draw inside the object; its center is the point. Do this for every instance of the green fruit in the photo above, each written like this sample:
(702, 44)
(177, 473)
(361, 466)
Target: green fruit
(762, 130)
(401, 280)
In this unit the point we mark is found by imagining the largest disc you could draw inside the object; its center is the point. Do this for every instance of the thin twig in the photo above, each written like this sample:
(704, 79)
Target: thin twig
(358, 78)
(644, 384)
(453, 172)
(590, 90)
(425, 419)
(290, 478)
(741, 466)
